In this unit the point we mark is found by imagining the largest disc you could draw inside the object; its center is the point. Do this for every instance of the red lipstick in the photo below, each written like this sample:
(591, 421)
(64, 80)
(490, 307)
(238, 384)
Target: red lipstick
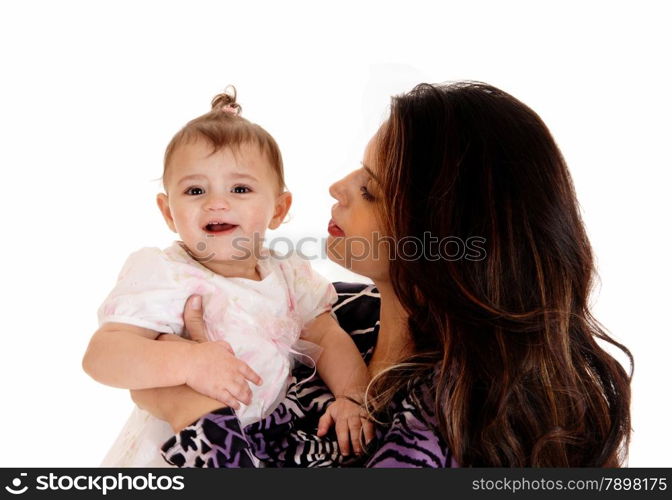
(334, 230)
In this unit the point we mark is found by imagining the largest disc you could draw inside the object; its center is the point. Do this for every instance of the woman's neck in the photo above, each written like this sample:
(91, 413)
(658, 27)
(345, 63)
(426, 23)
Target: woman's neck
(394, 341)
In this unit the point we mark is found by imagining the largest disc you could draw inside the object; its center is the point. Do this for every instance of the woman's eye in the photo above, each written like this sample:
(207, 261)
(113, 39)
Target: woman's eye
(241, 189)
(194, 191)
(365, 194)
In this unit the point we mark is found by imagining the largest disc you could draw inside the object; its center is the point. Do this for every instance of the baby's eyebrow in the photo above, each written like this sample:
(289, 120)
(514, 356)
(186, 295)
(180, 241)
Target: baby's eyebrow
(236, 175)
(190, 177)
(241, 175)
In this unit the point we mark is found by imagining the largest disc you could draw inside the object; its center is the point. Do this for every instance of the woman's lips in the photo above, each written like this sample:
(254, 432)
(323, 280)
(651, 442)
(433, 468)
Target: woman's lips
(334, 230)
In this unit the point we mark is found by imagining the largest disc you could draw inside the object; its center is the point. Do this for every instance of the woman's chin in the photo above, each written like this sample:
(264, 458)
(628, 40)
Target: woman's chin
(335, 250)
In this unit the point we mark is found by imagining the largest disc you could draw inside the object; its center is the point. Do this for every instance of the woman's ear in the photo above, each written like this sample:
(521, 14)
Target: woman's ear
(162, 202)
(282, 204)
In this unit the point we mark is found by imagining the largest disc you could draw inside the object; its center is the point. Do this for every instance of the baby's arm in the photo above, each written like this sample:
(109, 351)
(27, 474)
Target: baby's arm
(127, 356)
(340, 364)
(130, 357)
(342, 368)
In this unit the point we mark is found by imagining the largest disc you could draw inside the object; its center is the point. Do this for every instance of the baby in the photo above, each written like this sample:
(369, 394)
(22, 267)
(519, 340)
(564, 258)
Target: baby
(224, 186)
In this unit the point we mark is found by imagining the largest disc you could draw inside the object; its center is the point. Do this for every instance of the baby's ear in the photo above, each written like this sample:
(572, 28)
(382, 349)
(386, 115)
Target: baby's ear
(162, 202)
(282, 204)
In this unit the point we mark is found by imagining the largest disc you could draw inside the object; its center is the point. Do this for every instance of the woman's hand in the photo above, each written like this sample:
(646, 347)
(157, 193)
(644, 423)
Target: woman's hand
(179, 405)
(214, 369)
(350, 420)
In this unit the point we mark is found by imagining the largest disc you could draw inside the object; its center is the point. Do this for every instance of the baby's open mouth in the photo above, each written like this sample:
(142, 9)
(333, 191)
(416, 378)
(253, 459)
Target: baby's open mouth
(218, 227)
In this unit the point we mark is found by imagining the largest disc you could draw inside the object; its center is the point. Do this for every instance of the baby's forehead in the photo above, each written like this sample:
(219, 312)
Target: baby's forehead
(200, 157)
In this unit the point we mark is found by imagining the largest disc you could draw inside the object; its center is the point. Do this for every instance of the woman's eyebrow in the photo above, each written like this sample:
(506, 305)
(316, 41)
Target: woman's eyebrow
(370, 172)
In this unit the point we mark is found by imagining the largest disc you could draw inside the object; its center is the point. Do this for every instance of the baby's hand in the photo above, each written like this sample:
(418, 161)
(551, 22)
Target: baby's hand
(350, 419)
(214, 371)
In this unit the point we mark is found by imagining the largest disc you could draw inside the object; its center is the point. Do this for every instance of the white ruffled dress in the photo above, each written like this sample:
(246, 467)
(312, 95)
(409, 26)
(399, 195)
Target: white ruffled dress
(261, 320)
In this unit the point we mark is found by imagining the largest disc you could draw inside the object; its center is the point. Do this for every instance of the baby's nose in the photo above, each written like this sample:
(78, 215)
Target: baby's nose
(217, 203)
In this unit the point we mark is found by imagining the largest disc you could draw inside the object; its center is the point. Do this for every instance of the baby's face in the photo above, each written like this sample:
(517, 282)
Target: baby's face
(221, 203)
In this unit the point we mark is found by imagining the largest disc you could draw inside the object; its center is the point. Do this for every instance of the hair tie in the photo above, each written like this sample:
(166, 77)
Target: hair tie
(231, 108)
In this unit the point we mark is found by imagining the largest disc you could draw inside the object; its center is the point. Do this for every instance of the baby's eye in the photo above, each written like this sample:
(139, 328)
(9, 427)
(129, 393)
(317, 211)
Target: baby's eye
(241, 190)
(194, 191)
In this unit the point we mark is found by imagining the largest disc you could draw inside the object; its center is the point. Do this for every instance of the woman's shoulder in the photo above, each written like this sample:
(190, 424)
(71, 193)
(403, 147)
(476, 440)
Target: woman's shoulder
(363, 289)
(357, 307)
(412, 437)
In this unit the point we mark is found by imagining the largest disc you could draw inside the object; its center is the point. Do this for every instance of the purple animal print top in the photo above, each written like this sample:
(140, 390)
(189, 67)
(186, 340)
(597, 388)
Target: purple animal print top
(287, 437)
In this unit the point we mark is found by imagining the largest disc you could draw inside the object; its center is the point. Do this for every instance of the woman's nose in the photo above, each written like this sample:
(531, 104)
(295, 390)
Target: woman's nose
(336, 190)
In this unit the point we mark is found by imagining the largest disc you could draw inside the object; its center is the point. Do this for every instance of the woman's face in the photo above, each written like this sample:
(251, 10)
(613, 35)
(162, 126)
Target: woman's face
(356, 241)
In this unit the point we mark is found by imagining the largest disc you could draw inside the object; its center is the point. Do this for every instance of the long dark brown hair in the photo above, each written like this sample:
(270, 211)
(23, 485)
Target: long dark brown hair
(520, 377)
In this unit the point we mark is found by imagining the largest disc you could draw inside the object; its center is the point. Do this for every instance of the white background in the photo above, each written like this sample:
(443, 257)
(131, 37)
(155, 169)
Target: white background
(91, 93)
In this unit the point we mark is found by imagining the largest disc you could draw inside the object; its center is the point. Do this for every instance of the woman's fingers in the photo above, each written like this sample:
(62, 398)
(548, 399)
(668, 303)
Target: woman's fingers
(193, 319)
(169, 337)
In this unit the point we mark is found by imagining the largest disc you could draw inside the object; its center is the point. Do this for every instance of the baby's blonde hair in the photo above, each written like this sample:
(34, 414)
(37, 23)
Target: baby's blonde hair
(223, 127)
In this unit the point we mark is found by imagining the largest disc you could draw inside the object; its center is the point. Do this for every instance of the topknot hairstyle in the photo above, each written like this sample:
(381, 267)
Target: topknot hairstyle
(224, 127)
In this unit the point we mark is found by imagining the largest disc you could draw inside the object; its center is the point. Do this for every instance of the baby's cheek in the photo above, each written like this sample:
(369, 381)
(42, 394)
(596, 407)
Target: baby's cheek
(259, 224)
(183, 226)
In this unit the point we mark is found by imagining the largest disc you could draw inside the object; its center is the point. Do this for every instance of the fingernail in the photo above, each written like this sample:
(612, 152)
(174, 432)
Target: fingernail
(196, 303)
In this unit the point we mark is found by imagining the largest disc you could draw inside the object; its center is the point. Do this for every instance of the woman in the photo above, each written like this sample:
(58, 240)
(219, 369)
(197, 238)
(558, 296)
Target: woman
(485, 353)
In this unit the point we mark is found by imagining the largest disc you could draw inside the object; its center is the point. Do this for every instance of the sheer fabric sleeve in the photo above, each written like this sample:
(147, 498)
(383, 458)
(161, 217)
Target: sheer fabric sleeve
(147, 294)
(312, 293)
